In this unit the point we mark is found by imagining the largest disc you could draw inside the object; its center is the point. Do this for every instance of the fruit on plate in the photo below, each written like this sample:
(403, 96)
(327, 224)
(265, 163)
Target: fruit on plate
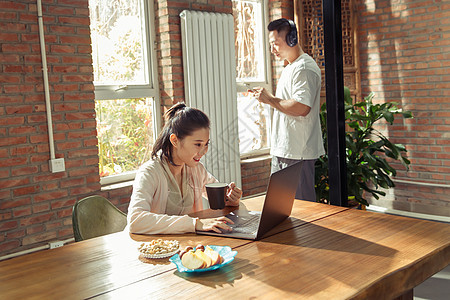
(215, 257)
(182, 252)
(201, 247)
(200, 254)
(191, 261)
(201, 257)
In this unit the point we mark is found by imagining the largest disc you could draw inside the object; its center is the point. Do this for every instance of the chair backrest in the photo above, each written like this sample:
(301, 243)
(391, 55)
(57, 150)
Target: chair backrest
(95, 216)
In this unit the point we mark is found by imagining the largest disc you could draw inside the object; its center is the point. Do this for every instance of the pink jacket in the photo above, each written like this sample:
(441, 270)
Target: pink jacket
(146, 211)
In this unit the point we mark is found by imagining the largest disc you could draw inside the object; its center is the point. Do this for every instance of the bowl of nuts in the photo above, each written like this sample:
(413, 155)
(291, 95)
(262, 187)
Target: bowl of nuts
(159, 248)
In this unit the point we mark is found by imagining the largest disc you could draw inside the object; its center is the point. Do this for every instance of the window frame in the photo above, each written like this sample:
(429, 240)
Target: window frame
(150, 90)
(243, 86)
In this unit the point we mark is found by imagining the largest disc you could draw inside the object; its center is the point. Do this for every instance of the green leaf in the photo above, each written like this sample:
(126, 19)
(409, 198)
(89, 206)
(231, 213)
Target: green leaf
(407, 114)
(388, 116)
(401, 147)
(405, 162)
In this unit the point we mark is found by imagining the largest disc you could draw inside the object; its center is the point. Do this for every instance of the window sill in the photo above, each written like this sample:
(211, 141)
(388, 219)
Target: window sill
(256, 154)
(253, 159)
(115, 186)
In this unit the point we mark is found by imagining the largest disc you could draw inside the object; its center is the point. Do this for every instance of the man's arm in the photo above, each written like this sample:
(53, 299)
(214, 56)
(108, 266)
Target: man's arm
(288, 107)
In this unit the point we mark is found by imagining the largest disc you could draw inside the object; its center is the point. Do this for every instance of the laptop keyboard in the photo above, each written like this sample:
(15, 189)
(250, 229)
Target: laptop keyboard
(249, 225)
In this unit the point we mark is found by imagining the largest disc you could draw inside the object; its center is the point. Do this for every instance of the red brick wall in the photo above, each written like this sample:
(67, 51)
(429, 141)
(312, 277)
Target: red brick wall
(404, 49)
(36, 205)
(255, 176)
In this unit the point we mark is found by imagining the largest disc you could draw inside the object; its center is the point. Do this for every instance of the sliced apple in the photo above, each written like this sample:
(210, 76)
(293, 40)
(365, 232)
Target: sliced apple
(191, 261)
(215, 257)
(200, 254)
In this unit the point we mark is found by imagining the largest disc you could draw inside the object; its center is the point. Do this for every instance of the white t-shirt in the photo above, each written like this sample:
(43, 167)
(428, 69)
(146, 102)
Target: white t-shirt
(298, 137)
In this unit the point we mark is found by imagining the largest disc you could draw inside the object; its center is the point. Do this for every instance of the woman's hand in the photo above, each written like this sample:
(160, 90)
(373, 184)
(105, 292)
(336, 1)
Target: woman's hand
(234, 195)
(214, 224)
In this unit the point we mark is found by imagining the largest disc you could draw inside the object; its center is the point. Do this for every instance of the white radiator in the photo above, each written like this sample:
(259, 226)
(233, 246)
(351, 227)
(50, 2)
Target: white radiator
(209, 67)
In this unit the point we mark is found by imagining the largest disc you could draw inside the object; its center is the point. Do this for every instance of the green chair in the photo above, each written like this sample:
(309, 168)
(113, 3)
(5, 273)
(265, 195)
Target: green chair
(95, 216)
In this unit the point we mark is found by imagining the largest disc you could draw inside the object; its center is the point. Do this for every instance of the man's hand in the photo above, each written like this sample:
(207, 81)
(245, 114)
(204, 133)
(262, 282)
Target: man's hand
(262, 95)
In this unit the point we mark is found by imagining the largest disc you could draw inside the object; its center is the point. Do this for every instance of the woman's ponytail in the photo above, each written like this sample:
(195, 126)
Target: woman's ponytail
(171, 112)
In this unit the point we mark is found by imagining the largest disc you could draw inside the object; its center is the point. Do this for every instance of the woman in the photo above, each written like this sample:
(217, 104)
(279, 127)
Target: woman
(171, 185)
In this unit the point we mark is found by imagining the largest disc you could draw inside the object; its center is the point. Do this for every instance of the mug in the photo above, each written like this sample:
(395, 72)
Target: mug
(217, 193)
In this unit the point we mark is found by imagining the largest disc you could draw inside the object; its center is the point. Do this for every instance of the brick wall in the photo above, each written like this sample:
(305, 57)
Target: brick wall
(404, 49)
(255, 175)
(36, 205)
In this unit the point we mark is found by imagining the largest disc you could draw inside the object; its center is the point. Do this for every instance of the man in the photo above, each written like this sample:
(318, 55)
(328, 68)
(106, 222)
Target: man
(296, 134)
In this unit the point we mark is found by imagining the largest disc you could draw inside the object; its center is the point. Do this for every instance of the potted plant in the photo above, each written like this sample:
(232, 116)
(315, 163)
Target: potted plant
(366, 150)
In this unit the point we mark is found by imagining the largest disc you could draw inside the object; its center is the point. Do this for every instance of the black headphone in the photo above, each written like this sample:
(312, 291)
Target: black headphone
(291, 36)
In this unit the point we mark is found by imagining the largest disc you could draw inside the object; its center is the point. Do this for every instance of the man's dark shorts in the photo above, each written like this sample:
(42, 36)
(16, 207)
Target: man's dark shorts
(305, 189)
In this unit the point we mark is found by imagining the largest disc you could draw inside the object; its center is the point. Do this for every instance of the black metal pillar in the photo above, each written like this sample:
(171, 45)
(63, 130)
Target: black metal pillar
(334, 81)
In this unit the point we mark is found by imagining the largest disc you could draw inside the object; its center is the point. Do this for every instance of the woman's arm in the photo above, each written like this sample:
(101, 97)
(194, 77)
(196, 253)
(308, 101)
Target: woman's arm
(146, 212)
(145, 222)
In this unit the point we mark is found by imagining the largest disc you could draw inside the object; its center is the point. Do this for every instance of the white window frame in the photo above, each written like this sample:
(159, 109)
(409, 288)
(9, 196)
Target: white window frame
(112, 92)
(243, 86)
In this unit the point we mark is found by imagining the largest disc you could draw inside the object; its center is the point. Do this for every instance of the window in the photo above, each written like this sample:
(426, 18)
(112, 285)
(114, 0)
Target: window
(124, 80)
(252, 70)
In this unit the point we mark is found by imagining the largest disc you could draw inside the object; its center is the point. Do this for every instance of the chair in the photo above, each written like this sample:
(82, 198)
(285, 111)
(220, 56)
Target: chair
(95, 216)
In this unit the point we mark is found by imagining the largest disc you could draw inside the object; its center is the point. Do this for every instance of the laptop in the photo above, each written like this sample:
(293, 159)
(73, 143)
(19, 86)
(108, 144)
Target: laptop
(280, 195)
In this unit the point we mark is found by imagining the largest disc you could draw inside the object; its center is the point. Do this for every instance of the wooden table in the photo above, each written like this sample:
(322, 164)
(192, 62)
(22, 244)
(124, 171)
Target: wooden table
(321, 252)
